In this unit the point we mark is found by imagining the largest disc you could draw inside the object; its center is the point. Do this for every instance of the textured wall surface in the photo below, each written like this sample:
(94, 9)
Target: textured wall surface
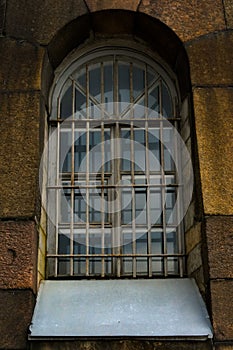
(35, 36)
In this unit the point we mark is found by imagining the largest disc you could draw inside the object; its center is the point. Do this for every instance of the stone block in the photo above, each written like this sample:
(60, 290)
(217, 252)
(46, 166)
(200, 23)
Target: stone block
(98, 5)
(40, 21)
(219, 233)
(213, 111)
(194, 259)
(106, 344)
(228, 5)
(20, 65)
(16, 312)
(188, 19)
(19, 153)
(222, 308)
(224, 346)
(211, 59)
(193, 237)
(18, 260)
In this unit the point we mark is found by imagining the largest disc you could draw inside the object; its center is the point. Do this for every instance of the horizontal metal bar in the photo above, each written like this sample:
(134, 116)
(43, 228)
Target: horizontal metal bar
(114, 186)
(114, 255)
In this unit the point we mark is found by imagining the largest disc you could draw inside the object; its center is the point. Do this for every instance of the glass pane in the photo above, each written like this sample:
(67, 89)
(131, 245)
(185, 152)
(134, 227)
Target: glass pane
(156, 248)
(65, 203)
(125, 150)
(80, 248)
(155, 206)
(140, 206)
(63, 248)
(139, 150)
(108, 87)
(170, 205)
(80, 105)
(95, 82)
(80, 151)
(141, 248)
(95, 205)
(79, 206)
(65, 150)
(126, 212)
(127, 249)
(153, 103)
(66, 104)
(81, 78)
(138, 81)
(167, 102)
(95, 161)
(107, 151)
(154, 149)
(123, 85)
(168, 141)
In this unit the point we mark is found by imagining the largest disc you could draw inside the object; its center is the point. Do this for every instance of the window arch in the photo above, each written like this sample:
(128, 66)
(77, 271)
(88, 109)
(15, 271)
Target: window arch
(114, 197)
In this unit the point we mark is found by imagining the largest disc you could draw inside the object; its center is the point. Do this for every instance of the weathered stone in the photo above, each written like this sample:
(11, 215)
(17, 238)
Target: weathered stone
(214, 127)
(189, 19)
(98, 5)
(19, 153)
(16, 312)
(194, 259)
(40, 21)
(106, 344)
(228, 5)
(18, 246)
(211, 59)
(224, 346)
(219, 232)
(222, 308)
(193, 237)
(20, 65)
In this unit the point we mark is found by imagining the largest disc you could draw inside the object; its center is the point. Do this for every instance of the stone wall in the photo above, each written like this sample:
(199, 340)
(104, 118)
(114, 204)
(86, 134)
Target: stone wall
(35, 36)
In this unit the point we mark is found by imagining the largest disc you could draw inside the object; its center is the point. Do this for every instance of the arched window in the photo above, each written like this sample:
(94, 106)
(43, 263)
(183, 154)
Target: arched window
(114, 184)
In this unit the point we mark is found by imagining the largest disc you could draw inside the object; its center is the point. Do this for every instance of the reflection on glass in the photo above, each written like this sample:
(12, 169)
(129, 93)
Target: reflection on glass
(66, 104)
(79, 206)
(80, 248)
(123, 84)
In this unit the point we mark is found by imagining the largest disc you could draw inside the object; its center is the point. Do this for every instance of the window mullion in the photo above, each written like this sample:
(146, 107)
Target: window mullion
(87, 171)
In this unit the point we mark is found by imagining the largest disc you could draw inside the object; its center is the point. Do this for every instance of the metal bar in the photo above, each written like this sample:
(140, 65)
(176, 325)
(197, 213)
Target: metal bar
(102, 174)
(87, 170)
(163, 180)
(72, 183)
(114, 255)
(114, 186)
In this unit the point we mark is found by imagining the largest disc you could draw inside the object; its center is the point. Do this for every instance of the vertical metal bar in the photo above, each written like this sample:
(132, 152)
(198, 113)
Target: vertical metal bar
(87, 169)
(118, 201)
(72, 182)
(58, 191)
(102, 173)
(163, 180)
(149, 243)
(133, 198)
